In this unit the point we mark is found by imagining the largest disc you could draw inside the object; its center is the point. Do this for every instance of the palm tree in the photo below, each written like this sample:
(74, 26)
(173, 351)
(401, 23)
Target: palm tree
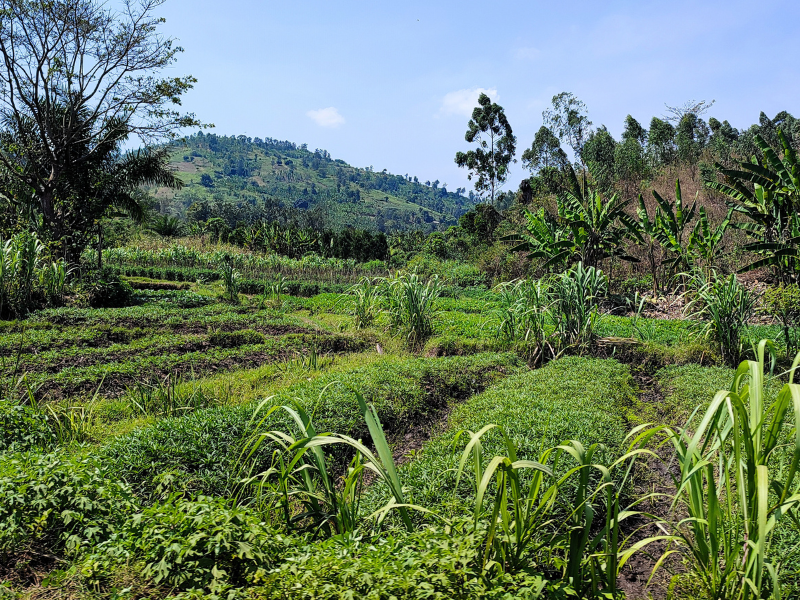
(166, 226)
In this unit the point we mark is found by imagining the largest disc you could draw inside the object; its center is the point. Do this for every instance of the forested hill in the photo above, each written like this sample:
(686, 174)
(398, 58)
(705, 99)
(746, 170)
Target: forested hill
(245, 180)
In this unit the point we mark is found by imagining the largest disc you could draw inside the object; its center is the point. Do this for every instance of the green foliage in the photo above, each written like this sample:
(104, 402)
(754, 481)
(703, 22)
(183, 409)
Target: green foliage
(770, 205)
(571, 398)
(23, 428)
(588, 229)
(105, 289)
(254, 180)
(28, 278)
(725, 306)
(728, 473)
(169, 397)
(411, 305)
(783, 304)
(202, 544)
(432, 563)
(366, 305)
(576, 299)
(58, 502)
(166, 226)
(203, 448)
(670, 225)
(230, 280)
(705, 243)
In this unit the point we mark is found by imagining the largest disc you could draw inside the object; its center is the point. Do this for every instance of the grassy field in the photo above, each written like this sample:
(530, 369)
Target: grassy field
(127, 431)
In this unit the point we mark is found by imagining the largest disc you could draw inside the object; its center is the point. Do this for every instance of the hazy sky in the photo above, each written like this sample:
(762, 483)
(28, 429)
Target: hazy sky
(392, 85)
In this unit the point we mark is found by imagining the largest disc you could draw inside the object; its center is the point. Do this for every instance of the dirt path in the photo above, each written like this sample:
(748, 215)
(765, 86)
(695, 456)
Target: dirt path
(654, 475)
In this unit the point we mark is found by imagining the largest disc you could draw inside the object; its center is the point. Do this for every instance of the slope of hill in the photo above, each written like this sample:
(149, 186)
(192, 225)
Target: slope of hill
(242, 179)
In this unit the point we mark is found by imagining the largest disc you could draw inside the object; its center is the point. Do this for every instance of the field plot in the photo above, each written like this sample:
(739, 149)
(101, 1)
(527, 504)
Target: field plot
(297, 446)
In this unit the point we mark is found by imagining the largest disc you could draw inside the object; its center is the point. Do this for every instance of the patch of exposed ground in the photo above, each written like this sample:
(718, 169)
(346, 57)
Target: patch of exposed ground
(655, 476)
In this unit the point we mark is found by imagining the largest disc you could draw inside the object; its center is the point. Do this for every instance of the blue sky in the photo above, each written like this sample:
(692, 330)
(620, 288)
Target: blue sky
(392, 84)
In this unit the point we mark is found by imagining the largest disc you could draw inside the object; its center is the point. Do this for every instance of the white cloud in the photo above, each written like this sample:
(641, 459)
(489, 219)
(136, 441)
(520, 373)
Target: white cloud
(326, 117)
(463, 102)
(529, 53)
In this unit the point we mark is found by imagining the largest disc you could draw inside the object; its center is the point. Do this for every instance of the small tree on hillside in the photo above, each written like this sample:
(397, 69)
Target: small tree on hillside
(489, 163)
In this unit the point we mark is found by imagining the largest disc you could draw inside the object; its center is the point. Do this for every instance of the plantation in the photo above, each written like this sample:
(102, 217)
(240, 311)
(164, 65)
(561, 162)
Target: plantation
(235, 368)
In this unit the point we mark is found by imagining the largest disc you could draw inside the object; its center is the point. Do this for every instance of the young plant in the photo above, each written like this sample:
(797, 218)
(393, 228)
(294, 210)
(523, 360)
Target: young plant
(733, 489)
(230, 280)
(299, 484)
(725, 307)
(411, 305)
(576, 299)
(523, 315)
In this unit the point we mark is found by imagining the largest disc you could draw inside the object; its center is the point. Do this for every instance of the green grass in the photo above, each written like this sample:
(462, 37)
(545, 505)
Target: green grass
(202, 448)
(570, 398)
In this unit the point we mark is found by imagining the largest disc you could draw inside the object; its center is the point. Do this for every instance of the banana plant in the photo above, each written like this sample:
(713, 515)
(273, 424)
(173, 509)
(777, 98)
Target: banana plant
(649, 227)
(588, 229)
(671, 223)
(705, 243)
(770, 206)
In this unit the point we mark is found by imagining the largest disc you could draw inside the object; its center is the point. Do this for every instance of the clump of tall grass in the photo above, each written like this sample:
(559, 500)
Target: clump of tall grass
(230, 281)
(576, 305)
(724, 306)
(28, 276)
(523, 315)
(410, 305)
(734, 482)
(366, 298)
(169, 397)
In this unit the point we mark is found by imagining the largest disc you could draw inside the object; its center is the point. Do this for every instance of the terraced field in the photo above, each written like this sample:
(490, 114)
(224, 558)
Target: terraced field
(189, 447)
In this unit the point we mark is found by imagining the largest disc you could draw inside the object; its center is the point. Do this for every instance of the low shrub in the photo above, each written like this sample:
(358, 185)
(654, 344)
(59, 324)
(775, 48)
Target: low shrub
(234, 339)
(23, 428)
(201, 544)
(431, 564)
(58, 502)
(105, 289)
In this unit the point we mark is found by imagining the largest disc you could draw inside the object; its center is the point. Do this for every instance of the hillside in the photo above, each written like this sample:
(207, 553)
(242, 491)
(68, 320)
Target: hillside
(245, 180)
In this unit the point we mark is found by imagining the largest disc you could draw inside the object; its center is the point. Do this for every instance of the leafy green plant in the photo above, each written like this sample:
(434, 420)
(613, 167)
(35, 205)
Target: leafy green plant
(58, 502)
(166, 226)
(725, 307)
(191, 544)
(230, 281)
(783, 304)
(303, 478)
(594, 228)
(525, 507)
(27, 276)
(576, 300)
(705, 243)
(411, 305)
(671, 223)
(367, 295)
(770, 206)
(731, 485)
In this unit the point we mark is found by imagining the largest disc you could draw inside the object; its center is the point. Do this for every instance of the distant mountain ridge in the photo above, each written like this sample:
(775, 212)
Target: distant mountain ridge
(243, 179)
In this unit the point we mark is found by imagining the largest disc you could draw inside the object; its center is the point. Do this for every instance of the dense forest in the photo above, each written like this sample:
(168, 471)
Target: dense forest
(245, 180)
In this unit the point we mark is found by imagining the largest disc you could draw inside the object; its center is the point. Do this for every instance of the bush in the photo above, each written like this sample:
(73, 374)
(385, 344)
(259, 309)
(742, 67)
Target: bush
(234, 339)
(431, 564)
(58, 502)
(783, 304)
(105, 289)
(203, 544)
(23, 428)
